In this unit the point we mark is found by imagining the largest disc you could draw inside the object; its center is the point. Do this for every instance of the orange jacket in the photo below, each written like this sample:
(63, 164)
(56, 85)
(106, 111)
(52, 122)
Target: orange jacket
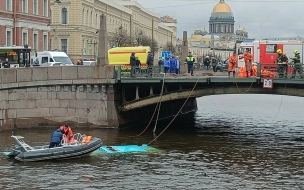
(247, 57)
(233, 59)
(67, 131)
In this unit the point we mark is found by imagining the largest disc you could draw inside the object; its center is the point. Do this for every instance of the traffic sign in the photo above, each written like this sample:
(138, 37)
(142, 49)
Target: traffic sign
(166, 54)
(267, 83)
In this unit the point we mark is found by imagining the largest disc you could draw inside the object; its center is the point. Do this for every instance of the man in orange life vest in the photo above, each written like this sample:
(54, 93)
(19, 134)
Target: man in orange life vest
(232, 64)
(248, 62)
(67, 131)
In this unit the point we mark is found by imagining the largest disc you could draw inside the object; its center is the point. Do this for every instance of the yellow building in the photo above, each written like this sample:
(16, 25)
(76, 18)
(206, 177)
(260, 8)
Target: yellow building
(75, 24)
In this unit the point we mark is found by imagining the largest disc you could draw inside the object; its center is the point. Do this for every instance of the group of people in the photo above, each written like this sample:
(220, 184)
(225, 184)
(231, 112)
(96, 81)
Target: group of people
(208, 62)
(171, 64)
(59, 134)
(282, 61)
(135, 63)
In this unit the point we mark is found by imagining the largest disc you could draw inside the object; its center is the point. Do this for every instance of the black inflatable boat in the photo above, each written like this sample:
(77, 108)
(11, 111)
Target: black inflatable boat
(80, 147)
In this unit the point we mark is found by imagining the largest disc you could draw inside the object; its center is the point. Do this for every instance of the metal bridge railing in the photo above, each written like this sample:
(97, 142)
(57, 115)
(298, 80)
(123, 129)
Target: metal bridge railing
(138, 71)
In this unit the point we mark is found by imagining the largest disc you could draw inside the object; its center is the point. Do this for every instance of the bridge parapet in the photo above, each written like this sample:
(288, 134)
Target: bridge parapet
(32, 76)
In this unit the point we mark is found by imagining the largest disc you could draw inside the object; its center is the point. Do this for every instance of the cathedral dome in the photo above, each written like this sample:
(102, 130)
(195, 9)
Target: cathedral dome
(222, 7)
(198, 32)
(204, 32)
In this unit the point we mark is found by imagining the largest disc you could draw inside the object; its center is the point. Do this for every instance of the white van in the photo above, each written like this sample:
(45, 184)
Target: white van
(53, 58)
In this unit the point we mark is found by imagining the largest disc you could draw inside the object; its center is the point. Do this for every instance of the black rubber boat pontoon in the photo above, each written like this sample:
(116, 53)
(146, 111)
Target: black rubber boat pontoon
(78, 148)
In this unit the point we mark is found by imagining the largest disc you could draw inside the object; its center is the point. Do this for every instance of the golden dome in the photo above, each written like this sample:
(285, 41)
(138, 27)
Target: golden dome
(222, 7)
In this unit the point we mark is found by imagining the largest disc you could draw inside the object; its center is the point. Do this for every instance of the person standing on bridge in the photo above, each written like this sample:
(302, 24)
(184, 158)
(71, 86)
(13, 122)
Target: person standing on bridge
(190, 61)
(232, 64)
(297, 64)
(133, 64)
(279, 57)
(248, 62)
(6, 64)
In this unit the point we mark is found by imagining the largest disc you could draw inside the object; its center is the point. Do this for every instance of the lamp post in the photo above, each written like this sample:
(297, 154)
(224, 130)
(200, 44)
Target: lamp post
(94, 46)
(138, 39)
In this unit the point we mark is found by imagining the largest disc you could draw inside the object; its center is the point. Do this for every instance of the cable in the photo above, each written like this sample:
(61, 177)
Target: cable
(280, 104)
(161, 95)
(234, 81)
(175, 115)
(159, 107)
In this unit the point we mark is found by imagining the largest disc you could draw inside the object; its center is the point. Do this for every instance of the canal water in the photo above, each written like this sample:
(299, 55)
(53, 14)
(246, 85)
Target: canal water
(234, 142)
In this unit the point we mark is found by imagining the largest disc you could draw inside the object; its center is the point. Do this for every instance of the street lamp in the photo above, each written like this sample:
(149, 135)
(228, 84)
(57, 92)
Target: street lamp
(138, 39)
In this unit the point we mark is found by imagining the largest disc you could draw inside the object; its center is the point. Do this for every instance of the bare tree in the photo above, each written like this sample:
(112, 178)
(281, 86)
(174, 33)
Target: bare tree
(147, 41)
(170, 47)
(120, 39)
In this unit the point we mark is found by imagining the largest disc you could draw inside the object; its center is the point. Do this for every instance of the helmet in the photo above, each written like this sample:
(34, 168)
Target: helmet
(295, 51)
(279, 51)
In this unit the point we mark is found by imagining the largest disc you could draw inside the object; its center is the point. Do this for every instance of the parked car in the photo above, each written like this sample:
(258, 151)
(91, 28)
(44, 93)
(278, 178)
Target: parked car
(92, 63)
(222, 66)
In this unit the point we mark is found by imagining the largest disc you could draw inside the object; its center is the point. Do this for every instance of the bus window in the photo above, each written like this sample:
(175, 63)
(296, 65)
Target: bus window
(44, 59)
(51, 60)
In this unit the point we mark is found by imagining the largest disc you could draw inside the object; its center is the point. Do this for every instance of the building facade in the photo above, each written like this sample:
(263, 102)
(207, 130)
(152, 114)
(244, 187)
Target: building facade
(25, 22)
(75, 25)
(221, 20)
(221, 36)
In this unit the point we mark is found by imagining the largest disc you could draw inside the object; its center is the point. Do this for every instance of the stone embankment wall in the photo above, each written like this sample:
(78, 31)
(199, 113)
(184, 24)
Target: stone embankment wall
(44, 96)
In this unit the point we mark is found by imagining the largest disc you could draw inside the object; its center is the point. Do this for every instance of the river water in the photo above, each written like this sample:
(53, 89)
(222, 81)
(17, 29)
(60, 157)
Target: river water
(234, 142)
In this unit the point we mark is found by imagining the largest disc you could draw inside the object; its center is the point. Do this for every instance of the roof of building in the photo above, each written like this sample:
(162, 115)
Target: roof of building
(117, 5)
(136, 4)
(198, 44)
(222, 7)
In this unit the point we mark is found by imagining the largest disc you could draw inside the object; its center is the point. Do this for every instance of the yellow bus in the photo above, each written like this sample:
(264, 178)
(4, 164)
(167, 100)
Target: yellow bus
(121, 55)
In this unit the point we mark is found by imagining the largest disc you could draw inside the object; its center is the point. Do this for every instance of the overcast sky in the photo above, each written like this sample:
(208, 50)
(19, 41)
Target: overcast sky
(261, 18)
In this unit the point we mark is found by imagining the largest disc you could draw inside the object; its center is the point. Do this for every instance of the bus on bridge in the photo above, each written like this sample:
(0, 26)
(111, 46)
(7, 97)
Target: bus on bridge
(17, 55)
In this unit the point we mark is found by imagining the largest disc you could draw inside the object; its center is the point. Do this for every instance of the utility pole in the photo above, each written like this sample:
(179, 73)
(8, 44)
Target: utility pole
(102, 59)
(94, 46)
(212, 43)
(184, 52)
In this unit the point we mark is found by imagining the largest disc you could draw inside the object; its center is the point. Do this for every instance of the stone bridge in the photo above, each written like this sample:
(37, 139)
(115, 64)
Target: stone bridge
(100, 96)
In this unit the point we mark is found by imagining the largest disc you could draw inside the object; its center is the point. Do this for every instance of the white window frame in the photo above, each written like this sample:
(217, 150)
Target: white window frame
(45, 13)
(11, 41)
(25, 9)
(67, 19)
(9, 5)
(25, 31)
(67, 40)
(45, 46)
(37, 7)
(37, 42)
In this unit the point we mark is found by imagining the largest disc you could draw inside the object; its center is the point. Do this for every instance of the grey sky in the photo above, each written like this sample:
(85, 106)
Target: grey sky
(268, 18)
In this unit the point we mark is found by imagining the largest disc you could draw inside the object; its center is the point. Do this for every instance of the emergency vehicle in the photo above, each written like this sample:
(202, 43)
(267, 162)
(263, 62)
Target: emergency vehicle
(265, 51)
(52, 58)
(121, 55)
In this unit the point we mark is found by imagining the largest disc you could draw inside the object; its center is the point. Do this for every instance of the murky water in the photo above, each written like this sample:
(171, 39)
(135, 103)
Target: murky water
(235, 142)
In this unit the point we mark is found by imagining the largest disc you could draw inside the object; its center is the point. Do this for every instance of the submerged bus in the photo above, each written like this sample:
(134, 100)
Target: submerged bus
(17, 56)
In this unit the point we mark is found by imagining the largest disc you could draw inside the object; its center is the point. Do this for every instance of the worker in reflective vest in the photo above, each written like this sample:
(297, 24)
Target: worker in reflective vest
(190, 61)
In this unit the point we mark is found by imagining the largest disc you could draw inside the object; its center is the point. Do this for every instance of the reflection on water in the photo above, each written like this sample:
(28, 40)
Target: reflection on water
(236, 142)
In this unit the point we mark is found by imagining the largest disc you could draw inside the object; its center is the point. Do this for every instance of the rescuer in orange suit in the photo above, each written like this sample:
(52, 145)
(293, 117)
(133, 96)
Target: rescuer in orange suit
(232, 64)
(67, 131)
(248, 61)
